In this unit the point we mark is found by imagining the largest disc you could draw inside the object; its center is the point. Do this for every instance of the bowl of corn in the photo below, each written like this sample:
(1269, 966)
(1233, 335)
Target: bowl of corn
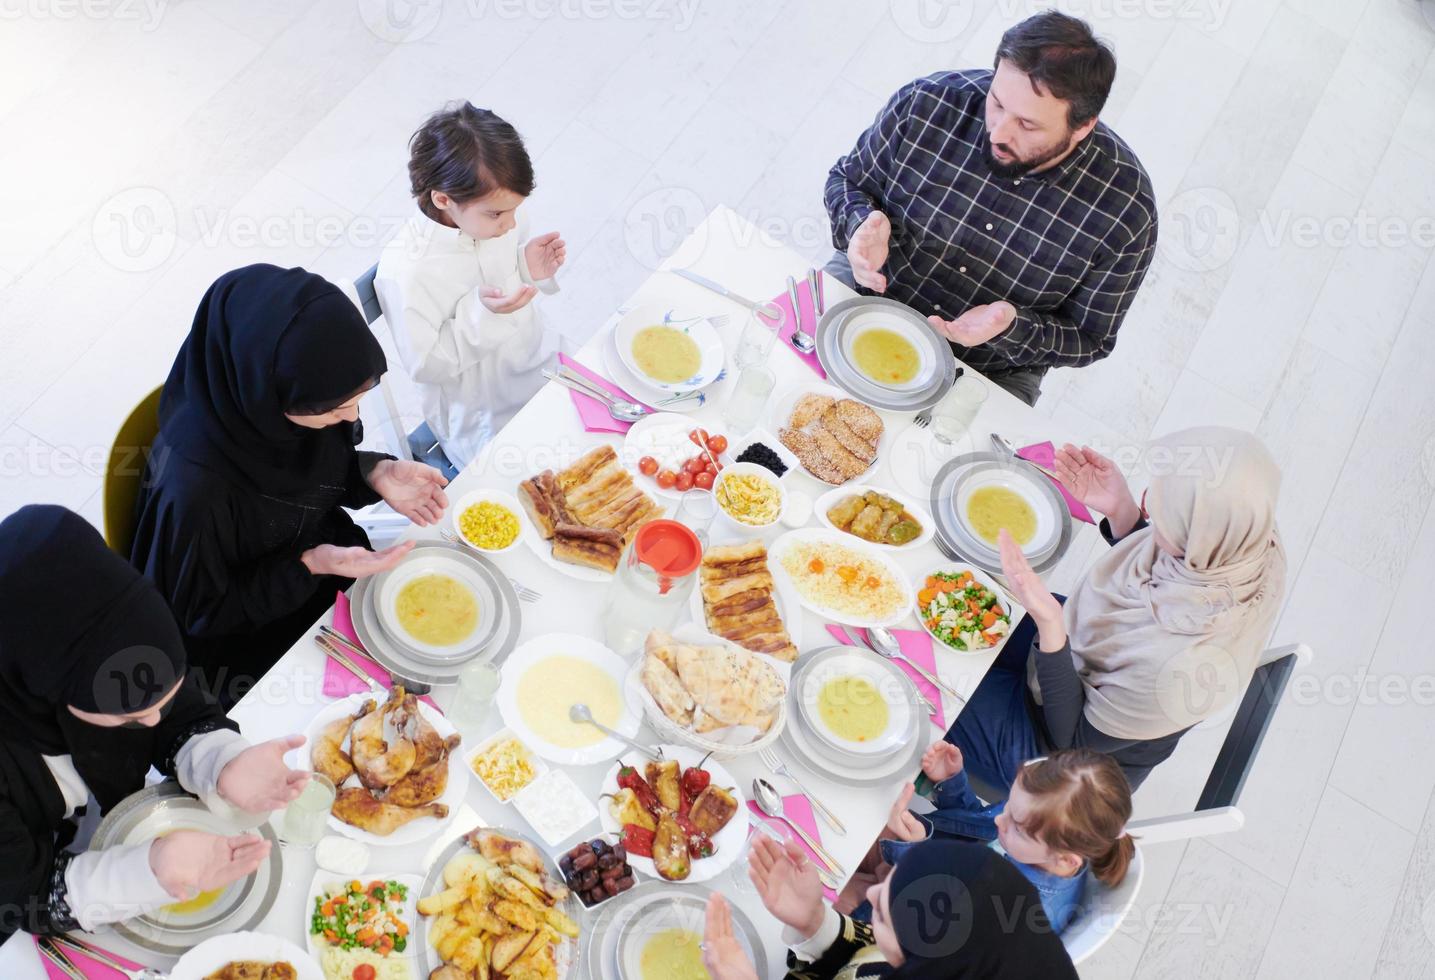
(489, 521)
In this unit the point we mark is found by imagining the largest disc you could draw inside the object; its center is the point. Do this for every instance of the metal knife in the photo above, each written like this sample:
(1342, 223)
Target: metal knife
(770, 310)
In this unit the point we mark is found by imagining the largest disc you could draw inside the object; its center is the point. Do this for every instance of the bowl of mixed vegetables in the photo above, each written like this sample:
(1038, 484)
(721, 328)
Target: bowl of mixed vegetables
(962, 609)
(372, 914)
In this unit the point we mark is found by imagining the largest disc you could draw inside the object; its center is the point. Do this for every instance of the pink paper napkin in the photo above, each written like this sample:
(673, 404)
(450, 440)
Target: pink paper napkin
(789, 324)
(91, 968)
(338, 682)
(799, 810)
(915, 644)
(594, 413)
(1044, 454)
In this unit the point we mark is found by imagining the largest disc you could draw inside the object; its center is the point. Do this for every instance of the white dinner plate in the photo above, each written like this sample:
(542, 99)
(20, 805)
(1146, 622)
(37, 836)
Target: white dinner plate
(784, 597)
(650, 436)
(782, 411)
(530, 656)
(697, 329)
(826, 540)
(213, 954)
(888, 687)
(727, 845)
(415, 830)
(836, 495)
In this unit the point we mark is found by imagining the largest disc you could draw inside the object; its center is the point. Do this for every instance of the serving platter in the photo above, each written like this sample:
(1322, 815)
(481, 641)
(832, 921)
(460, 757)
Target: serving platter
(327, 882)
(415, 830)
(842, 324)
(165, 807)
(836, 495)
(820, 537)
(729, 840)
(567, 951)
(213, 954)
(403, 665)
(781, 414)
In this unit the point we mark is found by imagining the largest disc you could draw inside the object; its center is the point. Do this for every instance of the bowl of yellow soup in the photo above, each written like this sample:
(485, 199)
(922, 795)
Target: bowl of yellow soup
(888, 351)
(855, 703)
(995, 498)
(660, 935)
(437, 607)
(669, 349)
(545, 677)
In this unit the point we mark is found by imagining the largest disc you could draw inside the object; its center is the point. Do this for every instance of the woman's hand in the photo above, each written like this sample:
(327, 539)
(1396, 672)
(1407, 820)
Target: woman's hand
(188, 862)
(330, 559)
(901, 821)
(496, 301)
(787, 882)
(412, 488)
(544, 255)
(1096, 482)
(1033, 594)
(257, 779)
(942, 760)
(723, 955)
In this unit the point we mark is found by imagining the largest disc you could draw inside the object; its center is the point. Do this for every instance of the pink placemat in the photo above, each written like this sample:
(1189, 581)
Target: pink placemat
(799, 810)
(789, 324)
(915, 644)
(338, 682)
(594, 413)
(91, 968)
(1044, 454)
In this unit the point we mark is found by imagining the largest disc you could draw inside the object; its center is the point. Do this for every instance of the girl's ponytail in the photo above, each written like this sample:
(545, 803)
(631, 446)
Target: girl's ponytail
(1110, 868)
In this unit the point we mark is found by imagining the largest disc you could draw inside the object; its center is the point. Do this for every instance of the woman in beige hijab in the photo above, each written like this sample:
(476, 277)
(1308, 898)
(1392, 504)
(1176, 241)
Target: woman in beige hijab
(1162, 632)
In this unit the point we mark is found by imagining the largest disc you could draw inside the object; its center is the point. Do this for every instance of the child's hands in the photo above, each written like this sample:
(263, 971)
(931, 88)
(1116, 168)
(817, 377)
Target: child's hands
(494, 299)
(942, 761)
(901, 822)
(545, 254)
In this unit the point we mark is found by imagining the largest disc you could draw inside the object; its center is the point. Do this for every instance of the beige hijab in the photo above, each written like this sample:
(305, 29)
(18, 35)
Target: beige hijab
(1162, 642)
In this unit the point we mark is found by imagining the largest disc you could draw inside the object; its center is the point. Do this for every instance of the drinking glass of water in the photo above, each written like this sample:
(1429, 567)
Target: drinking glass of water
(958, 409)
(477, 687)
(307, 818)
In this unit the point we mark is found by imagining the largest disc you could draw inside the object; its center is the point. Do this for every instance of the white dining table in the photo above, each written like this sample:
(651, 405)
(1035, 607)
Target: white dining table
(547, 433)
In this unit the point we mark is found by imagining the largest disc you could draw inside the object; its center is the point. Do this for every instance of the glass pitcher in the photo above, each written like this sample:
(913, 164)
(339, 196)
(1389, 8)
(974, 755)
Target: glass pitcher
(651, 587)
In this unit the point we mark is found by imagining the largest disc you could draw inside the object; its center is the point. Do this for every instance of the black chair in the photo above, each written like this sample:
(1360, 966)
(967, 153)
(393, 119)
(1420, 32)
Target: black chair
(420, 444)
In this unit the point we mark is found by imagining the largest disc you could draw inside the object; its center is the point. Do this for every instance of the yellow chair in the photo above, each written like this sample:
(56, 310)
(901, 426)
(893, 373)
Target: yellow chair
(125, 469)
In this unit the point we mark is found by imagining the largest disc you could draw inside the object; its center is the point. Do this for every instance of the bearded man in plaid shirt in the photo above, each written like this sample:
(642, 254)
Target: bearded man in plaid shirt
(997, 204)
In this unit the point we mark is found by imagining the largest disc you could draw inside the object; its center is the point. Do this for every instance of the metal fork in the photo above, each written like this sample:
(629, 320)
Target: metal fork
(779, 768)
(923, 419)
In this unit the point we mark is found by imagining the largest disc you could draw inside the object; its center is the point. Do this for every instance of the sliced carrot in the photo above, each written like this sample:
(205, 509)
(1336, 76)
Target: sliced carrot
(988, 618)
(926, 596)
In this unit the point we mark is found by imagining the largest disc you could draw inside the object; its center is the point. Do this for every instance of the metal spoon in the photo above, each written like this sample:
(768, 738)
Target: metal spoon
(884, 644)
(623, 411)
(579, 714)
(769, 801)
(801, 339)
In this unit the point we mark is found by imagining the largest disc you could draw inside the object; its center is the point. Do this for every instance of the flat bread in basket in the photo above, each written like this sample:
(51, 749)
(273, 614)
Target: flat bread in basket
(712, 691)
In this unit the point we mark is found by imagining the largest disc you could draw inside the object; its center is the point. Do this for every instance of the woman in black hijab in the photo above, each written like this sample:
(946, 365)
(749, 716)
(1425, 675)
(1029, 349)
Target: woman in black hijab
(93, 692)
(241, 523)
(949, 909)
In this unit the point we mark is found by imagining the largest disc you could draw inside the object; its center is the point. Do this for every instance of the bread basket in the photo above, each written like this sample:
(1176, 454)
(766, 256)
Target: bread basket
(669, 731)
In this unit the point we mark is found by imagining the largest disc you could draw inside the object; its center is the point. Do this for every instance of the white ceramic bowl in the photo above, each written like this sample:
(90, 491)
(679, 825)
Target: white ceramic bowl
(899, 712)
(1012, 609)
(1048, 523)
(539, 766)
(697, 328)
(864, 321)
(836, 495)
(498, 497)
(435, 564)
(749, 469)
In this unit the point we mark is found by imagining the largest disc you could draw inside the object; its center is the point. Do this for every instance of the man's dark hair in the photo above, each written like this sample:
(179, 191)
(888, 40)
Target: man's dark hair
(1060, 54)
(466, 152)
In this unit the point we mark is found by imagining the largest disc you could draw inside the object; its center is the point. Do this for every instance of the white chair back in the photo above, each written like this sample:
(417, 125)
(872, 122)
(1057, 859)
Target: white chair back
(1101, 912)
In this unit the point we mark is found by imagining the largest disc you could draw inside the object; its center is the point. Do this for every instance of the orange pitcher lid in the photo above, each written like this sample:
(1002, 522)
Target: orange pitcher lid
(669, 548)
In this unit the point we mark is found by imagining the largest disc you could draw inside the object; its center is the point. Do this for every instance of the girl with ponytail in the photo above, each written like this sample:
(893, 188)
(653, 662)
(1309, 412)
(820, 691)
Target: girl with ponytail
(1065, 820)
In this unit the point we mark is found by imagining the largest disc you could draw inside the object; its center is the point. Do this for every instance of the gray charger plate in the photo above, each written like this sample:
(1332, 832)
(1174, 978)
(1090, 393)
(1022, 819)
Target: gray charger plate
(243, 905)
(392, 659)
(845, 375)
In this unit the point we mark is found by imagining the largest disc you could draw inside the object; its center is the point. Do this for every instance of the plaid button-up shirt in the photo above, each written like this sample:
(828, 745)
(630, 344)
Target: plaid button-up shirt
(1068, 247)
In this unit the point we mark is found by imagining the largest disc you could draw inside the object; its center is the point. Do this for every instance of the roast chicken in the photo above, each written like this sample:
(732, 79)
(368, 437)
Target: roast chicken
(382, 743)
(357, 807)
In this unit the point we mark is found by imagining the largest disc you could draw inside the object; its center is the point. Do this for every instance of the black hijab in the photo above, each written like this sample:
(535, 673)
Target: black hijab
(266, 341)
(79, 626)
(960, 910)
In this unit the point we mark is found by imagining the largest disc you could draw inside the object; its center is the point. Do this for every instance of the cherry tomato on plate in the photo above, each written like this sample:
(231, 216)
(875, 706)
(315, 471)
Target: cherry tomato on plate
(685, 481)
(704, 480)
(666, 479)
(695, 465)
(647, 466)
(717, 445)
(698, 436)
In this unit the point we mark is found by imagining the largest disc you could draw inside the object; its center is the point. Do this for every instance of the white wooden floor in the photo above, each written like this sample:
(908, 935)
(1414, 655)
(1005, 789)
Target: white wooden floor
(148, 146)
